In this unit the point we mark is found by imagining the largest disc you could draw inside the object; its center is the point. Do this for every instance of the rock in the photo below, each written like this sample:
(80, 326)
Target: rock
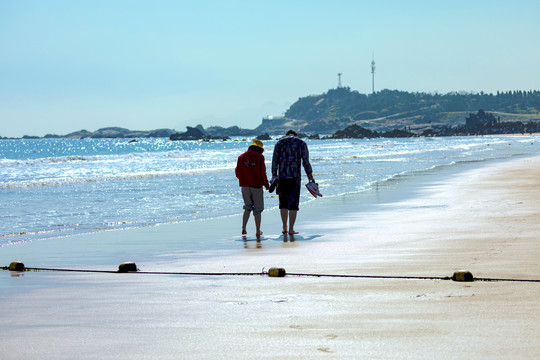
(397, 134)
(264, 136)
(354, 131)
(201, 129)
(191, 134)
(230, 131)
(195, 133)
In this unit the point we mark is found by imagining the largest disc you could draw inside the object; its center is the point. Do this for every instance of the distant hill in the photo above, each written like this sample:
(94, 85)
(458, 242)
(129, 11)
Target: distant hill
(393, 109)
(109, 132)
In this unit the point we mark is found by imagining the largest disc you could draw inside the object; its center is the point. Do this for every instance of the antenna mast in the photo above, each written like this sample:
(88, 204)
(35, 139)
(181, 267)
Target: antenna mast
(339, 80)
(373, 74)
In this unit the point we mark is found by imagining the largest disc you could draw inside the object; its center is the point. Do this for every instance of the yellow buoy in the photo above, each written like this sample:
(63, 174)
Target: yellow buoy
(127, 267)
(277, 272)
(462, 275)
(16, 266)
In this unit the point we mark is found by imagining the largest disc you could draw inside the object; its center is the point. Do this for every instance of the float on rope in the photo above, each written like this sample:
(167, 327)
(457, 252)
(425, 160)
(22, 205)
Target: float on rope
(127, 267)
(463, 275)
(277, 272)
(16, 266)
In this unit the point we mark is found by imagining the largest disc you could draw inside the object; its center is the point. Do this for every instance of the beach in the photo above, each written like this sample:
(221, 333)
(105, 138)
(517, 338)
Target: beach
(483, 219)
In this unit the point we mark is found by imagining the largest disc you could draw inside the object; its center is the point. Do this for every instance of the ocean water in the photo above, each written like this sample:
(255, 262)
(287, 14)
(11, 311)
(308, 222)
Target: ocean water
(62, 187)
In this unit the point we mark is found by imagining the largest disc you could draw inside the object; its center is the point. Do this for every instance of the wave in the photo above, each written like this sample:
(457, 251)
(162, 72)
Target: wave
(58, 181)
(111, 158)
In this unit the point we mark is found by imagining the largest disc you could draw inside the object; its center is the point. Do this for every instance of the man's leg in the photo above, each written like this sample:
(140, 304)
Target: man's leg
(284, 217)
(294, 201)
(292, 220)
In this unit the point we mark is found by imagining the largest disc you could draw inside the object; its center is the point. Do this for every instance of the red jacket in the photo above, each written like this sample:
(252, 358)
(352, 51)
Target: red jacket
(251, 170)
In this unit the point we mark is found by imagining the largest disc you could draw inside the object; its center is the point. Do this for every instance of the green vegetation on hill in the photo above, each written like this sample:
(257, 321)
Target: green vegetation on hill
(393, 108)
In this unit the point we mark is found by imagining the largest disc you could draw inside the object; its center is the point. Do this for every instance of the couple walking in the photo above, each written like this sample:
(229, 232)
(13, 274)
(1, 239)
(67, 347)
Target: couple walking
(289, 153)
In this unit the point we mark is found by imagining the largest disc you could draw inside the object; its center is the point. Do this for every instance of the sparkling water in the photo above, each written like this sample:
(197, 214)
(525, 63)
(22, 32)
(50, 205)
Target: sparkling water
(62, 187)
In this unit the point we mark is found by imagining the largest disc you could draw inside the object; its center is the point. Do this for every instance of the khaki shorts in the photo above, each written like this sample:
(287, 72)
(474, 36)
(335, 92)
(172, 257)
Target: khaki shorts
(253, 199)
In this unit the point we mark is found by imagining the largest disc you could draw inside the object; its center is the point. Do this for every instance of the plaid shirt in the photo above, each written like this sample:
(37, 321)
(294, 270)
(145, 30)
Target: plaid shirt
(288, 153)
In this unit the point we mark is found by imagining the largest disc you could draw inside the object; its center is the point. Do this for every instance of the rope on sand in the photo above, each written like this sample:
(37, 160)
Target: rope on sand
(130, 267)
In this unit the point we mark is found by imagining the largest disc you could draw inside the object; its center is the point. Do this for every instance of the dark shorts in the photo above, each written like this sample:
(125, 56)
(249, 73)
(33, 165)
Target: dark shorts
(289, 193)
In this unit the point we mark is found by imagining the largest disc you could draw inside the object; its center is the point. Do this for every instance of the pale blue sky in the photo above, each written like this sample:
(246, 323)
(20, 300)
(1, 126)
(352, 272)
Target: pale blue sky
(69, 65)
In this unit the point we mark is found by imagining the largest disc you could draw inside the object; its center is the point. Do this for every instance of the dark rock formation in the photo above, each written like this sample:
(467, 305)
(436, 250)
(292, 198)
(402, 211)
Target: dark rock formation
(230, 131)
(191, 134)
(195, 133)
(264, 136)
(354, 132)
(397, 134)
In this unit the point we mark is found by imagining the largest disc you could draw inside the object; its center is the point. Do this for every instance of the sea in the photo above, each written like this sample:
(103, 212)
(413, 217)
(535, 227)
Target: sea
(53, 188)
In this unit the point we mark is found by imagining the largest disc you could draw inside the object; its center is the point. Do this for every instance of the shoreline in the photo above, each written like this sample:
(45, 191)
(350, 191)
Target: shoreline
(483, 220)
(221, 235)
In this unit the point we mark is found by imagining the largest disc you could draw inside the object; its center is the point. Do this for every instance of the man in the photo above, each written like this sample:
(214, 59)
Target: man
(289, 152)
(251, 173)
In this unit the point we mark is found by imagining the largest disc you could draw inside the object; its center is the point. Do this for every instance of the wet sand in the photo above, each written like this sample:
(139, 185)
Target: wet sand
(483, 220)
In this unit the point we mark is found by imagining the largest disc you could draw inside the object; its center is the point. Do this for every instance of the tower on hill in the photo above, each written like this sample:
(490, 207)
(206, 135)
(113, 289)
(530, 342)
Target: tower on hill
(373, 74)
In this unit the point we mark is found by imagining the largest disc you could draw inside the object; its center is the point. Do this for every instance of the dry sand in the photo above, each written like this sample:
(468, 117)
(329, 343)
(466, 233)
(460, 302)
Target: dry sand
(484, 221)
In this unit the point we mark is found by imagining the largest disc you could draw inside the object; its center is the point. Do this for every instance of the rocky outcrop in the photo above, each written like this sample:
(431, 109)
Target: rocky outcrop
(230, 131)
(397, 134)
(191, 134)
(354, 132)
(357, 132)
(195, 133)
(264, 136)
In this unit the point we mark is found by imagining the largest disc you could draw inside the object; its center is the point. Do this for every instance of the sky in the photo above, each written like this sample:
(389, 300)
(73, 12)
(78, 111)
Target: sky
(70, 65)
